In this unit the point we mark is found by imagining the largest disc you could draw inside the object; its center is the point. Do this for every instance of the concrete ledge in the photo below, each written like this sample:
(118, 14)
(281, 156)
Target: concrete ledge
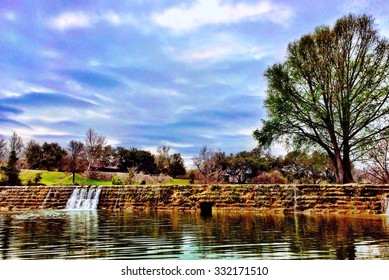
(344, 199)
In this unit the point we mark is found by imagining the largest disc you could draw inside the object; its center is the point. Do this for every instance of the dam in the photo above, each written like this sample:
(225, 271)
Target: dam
(338, 199)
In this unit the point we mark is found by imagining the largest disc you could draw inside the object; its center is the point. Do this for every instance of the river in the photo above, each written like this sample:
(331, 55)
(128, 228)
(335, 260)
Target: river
(174, 235)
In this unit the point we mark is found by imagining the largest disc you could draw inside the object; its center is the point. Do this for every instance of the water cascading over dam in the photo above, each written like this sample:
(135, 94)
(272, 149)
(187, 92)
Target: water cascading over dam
(84, 199)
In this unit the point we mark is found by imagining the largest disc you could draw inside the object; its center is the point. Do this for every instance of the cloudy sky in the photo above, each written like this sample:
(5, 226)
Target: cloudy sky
(146, 73)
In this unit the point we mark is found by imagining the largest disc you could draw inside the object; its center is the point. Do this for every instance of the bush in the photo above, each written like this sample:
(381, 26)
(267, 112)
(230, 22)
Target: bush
(97, 175)
(130, 176)
(116, 180)
(274, 177)
(192, 177)
(38, 178)
(152, 179)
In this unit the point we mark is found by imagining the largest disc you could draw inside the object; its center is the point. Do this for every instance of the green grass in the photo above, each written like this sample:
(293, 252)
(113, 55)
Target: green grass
(177, 182)
(52, 178)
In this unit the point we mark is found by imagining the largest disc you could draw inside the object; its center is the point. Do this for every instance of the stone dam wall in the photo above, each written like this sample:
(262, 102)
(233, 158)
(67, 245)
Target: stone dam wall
(342, 199)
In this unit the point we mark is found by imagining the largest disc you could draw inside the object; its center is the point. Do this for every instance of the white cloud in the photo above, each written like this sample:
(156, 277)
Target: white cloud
(220, 47)
(49, 116)
(90, 114)
(159, 91)
(278, 149)
(176, 145)
(112, 141)
(51, 53)
(79, 19)
(151, 149)
(71, 20)
(9, 16)
(118, 19)
(30, 133)
(8, 93)
(222, 52)
(206, 12)
(73, 86)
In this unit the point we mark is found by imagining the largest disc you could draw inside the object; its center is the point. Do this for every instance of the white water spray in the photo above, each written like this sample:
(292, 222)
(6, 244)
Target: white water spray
(386, 206)
(46, 198)
(84, 199)
(295, 199)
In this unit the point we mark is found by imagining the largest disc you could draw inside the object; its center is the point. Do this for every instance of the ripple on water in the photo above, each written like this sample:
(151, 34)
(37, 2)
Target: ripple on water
(49, 234)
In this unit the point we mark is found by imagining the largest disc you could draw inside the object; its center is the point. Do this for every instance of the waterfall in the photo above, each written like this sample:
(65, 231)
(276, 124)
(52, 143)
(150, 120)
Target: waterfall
(295, 199)
(84, 199)
(46, 198)
(385, 205)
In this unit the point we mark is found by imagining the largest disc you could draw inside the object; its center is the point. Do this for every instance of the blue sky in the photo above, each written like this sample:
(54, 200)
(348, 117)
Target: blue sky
(149, 73)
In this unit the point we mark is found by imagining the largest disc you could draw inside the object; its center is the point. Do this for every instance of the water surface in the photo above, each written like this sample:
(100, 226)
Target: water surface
(167, 235)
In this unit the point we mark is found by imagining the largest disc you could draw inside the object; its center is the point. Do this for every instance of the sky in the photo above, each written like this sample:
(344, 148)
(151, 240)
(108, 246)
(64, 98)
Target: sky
(147, 73)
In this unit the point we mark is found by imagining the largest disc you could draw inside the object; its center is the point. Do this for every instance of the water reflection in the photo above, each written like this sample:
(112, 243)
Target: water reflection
(156, 235)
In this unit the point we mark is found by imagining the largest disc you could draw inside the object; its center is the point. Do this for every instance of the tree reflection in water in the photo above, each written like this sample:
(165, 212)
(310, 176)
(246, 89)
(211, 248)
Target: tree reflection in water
(175, 235)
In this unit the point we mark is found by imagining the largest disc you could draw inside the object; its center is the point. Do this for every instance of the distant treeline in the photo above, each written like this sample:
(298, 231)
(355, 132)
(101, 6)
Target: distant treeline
(209, 166)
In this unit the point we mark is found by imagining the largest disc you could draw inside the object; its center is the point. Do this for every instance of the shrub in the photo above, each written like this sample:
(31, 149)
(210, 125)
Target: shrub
(274, 177)
(192, 176)
(98, 175)
(130, 176)
(38, 178)
(152, 179)
(116, 180)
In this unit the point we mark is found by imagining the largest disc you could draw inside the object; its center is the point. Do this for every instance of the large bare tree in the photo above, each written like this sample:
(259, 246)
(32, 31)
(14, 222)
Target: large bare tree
(210, 164)
(94, 146)
(331, 93)
(76, 152)
(16, 144)
(377, 162)
(3, 148)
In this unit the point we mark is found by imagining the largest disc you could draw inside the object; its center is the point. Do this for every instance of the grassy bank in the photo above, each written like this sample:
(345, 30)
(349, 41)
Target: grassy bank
(52, 178)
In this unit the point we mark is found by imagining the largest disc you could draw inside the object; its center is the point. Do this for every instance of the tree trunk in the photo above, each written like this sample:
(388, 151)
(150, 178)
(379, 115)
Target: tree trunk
(74, 176)
(339, 172)
(343, 168)
(347, 176)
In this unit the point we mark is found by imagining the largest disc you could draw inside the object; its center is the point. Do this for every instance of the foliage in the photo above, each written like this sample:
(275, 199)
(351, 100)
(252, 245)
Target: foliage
(307, 168)
(331, 93)
(76, 158)
(176, 166)
(16, 144)
(130, 176)
(36, 180)
(173, 165)
(163, 159)
(274, 177)
(210, 164)
(94, 147)
(33, 155)
(10, 171)
(192, 176)
(141, 161)
(48, 156)
(377, 162)
(243, 166)
(116, 180)
(152, 179)
(98, 175)
(52, 154)
(3, 148)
